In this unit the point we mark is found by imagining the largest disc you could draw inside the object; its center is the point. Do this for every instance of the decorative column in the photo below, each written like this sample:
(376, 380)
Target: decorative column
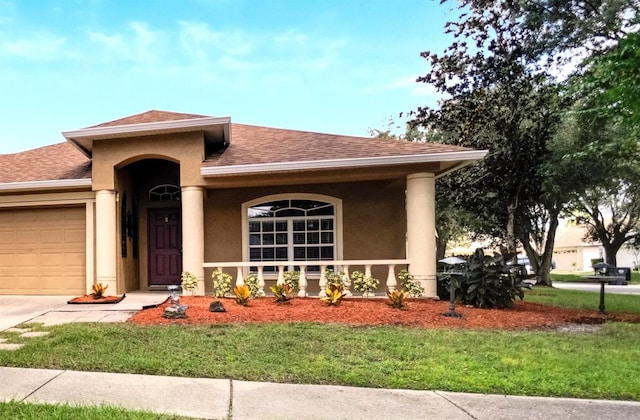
(421, 230)
(106, 261)
(193, 233)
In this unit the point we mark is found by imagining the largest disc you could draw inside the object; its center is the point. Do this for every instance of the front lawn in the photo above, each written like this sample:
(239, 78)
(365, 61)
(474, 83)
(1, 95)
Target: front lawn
(562, 298)
(579, 277)
(21, 410)
(601, 364)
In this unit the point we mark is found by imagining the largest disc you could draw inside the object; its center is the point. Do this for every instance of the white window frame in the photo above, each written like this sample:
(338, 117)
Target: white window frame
(337, 228)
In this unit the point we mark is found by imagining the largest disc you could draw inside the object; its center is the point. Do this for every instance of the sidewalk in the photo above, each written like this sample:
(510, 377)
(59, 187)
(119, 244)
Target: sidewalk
(222, 398)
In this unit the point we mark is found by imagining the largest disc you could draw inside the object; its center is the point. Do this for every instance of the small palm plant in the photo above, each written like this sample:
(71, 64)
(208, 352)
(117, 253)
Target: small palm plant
(98, 290)
(282, 292)
(242, 294)
(333, 295)
(397, 298)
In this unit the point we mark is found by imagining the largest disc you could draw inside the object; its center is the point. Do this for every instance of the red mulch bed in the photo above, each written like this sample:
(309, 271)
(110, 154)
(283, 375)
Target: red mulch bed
(423, 313)
(90, 299)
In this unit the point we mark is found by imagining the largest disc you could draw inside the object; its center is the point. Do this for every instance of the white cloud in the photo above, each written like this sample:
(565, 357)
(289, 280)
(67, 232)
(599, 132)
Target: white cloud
(137, 44)
(39, 47)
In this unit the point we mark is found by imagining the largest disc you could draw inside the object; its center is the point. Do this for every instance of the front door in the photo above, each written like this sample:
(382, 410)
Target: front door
(165, 246)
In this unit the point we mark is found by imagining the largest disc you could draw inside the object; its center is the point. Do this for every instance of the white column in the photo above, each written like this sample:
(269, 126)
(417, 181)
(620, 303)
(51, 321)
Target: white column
(106, 261)
(193, 233)
(421, 230)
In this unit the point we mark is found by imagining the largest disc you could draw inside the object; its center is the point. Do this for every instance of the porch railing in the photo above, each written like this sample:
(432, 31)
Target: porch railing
(242, 270)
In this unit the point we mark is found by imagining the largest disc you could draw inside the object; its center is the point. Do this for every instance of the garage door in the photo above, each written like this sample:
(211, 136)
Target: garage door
(42, 251)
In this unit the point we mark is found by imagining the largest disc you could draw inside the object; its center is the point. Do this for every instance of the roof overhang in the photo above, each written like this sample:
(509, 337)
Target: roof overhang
(56, 184)
(457, 160)
(215, 129)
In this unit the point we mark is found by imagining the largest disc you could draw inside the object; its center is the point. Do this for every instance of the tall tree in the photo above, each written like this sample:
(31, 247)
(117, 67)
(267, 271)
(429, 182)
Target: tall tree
(500, 100)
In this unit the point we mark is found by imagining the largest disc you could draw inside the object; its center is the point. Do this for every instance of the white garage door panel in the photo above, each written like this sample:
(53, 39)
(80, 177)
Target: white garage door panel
(42, 251)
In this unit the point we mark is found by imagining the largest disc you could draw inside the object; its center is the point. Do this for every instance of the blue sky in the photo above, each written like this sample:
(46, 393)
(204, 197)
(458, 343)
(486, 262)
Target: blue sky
(339, 66)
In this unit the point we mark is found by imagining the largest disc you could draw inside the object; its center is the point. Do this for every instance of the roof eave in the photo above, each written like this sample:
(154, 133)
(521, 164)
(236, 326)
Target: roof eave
(83, 138)
(464, 158)
(55, 184)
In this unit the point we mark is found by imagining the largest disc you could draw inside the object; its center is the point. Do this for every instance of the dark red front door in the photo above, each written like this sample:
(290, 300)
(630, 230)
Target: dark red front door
(165, 242)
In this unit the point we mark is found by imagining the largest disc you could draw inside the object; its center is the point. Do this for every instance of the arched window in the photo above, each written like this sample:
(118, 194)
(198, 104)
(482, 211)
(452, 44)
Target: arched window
(292, 230)
(164, 192)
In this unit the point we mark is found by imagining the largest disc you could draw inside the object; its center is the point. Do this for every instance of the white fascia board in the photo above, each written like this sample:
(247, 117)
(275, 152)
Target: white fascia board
(144, 127)
(46, 185)
(470, 156)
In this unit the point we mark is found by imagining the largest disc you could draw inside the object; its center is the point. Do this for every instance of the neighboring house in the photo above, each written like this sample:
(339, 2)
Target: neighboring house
(572, 252)
(133, 202)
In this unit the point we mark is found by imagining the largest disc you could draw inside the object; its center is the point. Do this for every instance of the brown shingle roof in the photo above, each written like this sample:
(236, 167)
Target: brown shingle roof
(254, 145)
(55, 162)
(149, 117)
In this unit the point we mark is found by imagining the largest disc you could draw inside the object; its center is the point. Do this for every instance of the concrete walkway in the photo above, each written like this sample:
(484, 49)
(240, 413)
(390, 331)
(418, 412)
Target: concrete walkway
(222, 399)
(227, 399)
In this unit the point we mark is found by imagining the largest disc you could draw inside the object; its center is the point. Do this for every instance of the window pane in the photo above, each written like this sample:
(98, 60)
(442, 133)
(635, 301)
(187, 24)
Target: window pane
(326, 252)
(299, 253)
(268, 254)
(254, 226)
(281, 254)
(322, 211)
(267, 239)
(281, 226)
(313, 238)
(255, 254)
(298, 238)
(299, 226)
(327, 224)
(313, 224)
(326, 237)
(281, 238)
(313, 253)
(267, 226)
(290, 212)
(254, 239)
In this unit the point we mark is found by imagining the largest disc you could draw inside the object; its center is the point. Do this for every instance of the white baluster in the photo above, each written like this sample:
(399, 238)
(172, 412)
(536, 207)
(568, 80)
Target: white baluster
(347, 289)
(280, 275)
(261, 278)
(239, 277)
(367, 270)
(322, 283)
(302, 282)
(391, 278)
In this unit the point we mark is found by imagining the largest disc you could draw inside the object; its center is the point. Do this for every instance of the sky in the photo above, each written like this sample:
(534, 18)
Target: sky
(333, 66)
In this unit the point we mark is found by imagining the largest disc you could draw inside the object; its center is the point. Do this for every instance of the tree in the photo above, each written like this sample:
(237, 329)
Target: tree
(500, 100)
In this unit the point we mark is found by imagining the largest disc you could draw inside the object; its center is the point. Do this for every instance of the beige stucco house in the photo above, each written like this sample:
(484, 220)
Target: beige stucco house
(134, 202)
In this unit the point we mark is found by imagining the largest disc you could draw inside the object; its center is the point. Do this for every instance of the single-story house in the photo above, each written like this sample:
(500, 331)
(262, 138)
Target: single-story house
(132, 203)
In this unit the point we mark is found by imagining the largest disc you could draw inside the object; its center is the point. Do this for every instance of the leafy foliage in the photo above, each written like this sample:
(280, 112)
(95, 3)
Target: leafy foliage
(333, 295)
(221, 283)
(292, 278)
(364, 284)
(490, 283)
(282, 293)
(337, 279)
(242, 294)
(254, 288)
(409, 284)
(98, 290)
(189, 282)
(397, 298)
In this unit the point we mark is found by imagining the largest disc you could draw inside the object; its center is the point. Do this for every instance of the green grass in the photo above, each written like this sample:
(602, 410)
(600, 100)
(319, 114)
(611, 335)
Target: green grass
(601, 364)
(583, 300)
(19, 410)
(579, 277)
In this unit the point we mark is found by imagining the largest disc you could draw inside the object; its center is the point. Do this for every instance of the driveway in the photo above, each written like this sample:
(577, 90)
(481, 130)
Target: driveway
(631, 289)
(16, 309)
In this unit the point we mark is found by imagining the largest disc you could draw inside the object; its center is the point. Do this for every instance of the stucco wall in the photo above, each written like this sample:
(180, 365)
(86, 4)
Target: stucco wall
(374, 220)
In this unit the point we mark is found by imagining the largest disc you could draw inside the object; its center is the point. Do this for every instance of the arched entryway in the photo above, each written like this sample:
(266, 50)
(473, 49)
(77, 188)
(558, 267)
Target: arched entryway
(150, 221)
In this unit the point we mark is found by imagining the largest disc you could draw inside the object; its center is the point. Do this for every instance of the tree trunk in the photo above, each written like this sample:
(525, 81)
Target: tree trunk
(542, 264)
(441, 247)
(510, 252)
(610, 252)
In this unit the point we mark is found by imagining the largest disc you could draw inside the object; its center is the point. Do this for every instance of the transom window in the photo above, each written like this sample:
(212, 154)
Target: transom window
(296, 230)
(164, 192)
